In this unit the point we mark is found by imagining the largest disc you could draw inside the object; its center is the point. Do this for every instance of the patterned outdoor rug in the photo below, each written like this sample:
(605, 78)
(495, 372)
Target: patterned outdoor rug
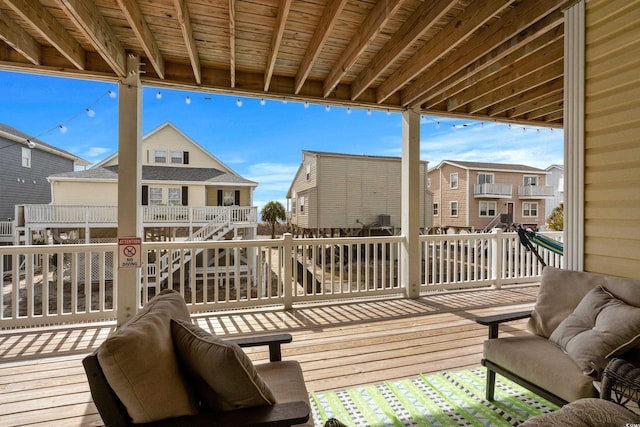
(445, 399)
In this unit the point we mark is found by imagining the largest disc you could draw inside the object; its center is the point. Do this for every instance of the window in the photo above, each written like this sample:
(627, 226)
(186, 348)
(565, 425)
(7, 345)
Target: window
(176, 157)
(530, 180)
(436, 210)
(228, 198)
(428, 182)
(488, 209)
(485, 178)
(155, 195)
(453, 181)
(174, 196)
(454, 208)
(301, 204)
(293, 205)
(530, 209)
(26, 157)
(160, 156)
(308, 172)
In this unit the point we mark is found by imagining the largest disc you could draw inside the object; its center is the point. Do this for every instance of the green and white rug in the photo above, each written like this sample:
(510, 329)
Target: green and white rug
(445, 399)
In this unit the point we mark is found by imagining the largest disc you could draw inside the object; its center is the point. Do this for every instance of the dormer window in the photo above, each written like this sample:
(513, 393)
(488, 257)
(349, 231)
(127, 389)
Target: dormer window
(177, 157)
(160, 156)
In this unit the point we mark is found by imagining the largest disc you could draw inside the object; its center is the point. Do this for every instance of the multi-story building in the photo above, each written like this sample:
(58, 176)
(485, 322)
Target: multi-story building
(351, 195)
(475, 196)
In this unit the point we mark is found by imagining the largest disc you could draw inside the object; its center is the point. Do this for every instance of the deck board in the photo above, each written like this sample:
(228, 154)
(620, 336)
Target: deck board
(42, 382)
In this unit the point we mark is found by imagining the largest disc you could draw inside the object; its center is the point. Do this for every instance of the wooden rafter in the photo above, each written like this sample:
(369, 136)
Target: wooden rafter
(276, 40)
(536, 104)
(47, 26)
(327, 21)
(444, 42)
(524, 97)
(134, 16)
(489, 41)
(20, 40)
(524, 45)
(87, 17)
(371, 27)
(184, 20)
(232, 43)
(421, 21)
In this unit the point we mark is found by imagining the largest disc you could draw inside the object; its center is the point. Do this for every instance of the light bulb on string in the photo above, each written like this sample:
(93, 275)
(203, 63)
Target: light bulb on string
(90, 112)
(327, 107)
(306, 104)
(187, 100)
(31, 144)
(368, 111)
(159, 95)
(438, 124)
(348, 110)
(388, 112)
(284, 100)
(112, 94)
(63, 128)
(239, 102)
(262, 101)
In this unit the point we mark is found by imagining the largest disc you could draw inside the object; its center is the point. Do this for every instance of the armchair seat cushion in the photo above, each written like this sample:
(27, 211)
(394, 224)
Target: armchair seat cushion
(538, 361)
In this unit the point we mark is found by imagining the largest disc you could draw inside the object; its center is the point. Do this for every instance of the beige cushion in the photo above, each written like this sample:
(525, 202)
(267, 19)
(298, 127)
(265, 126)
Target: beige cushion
(586, 413)
(601, 326)
(140, 365)
(221, 372)
(539, 361)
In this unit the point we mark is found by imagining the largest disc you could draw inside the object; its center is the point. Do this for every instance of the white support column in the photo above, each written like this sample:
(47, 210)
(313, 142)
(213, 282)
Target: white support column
(574, 59)
(129, 182)
(410, 203)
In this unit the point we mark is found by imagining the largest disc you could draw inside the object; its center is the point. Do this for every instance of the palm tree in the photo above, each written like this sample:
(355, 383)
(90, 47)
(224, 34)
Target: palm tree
(272, 212)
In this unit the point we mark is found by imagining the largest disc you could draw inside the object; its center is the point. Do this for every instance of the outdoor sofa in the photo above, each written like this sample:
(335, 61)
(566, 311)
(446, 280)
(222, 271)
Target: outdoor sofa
(159, 369)
(580, 321)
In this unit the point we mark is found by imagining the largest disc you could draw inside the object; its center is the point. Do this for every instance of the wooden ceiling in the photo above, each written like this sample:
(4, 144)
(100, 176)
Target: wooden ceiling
(484, 59)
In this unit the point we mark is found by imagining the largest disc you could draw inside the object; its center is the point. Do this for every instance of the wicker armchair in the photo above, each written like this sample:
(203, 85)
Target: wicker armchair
(621, 383)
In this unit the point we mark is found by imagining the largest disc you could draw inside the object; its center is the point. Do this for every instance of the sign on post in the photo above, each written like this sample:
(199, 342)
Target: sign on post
(130, 252)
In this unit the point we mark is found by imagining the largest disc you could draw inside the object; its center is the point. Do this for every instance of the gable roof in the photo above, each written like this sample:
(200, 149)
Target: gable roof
(22, 138)
(158, 173)
(485, 166)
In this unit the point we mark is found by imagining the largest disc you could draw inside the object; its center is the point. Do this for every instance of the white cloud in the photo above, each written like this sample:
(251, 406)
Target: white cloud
(94, 152)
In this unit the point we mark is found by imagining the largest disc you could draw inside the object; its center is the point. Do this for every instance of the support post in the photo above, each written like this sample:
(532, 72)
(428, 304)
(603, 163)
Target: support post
(410, 204)
(129, 182)
(287, 266)
(496, 255)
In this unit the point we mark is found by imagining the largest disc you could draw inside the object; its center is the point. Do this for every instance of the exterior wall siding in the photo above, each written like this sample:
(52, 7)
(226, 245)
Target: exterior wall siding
(85, 193)
(21, 185)
(612, 138)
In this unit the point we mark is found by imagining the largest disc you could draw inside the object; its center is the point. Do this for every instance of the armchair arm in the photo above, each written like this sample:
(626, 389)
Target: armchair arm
(621, 382)
(273, 341)
(493, 322)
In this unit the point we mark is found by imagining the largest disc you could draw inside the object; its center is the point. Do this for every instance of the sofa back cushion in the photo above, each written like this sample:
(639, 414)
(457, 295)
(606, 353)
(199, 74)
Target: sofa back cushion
(139, 362)
(222, 374)
(562, 290)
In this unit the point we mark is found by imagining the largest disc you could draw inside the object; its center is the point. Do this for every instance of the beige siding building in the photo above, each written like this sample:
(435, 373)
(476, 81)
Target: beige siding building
(475, 196)
(350, 195)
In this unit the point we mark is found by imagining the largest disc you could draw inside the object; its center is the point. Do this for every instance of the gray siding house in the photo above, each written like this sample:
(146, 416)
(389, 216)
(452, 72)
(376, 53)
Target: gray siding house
(25, 164)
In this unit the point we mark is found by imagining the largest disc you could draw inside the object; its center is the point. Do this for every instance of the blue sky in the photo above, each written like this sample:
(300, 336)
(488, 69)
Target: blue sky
(260, 142)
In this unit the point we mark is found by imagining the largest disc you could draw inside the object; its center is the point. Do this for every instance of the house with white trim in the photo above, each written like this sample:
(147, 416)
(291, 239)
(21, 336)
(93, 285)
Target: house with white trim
(478, 196)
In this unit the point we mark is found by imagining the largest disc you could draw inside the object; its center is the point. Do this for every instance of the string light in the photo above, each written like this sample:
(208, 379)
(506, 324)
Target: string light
(90, 112)
(262, 101)
(348, 110)
(187, 100)
(306, 104)
(63, 128)
(239, 102)
(368, 111)
(327, 107)
(159, 95)
(112, 94)
(31, 144)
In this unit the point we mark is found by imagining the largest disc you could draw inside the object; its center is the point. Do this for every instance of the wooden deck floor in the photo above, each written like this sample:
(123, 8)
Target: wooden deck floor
(42, 381)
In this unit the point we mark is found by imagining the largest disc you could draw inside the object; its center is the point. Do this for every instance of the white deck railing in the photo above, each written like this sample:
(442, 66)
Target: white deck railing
(88, 215)
(6, 231)
(55, 284)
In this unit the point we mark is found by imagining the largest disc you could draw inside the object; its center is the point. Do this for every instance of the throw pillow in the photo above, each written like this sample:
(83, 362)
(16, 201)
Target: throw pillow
(222, 374)
(601, 326)
(139, 362)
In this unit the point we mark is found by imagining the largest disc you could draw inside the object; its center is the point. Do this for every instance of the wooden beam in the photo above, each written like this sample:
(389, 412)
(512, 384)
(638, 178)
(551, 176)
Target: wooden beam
(525, 97)
(421, 21)
(456, 31)
(545, 74)
(12, 34)
(85, 14)
(489, 64)
(232, 42)
(513, 30)
(370, 28)
(40, 20)
(134, 16)
(515, 71)
(184, 20)
(329, 18)
(542, 102)
(546, 111)
(276, 40)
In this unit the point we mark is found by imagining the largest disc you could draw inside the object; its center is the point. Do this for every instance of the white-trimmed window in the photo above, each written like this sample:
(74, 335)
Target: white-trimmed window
(530, 209)
(428, 182)
(485, 178)
(488, 208)
(160, 156)
(176, 157)
(26, 157)
(453, 181)
(301, 204)
(453, 208)
(308, 171)
(530, 180)
(174, 196)
(228, 198)
(436, 209)
(155, 195)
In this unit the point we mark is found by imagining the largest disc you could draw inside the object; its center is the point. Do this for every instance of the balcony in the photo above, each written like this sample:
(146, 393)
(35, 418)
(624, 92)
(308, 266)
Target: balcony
(6, 231)
(536, 192)
(492, 191)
